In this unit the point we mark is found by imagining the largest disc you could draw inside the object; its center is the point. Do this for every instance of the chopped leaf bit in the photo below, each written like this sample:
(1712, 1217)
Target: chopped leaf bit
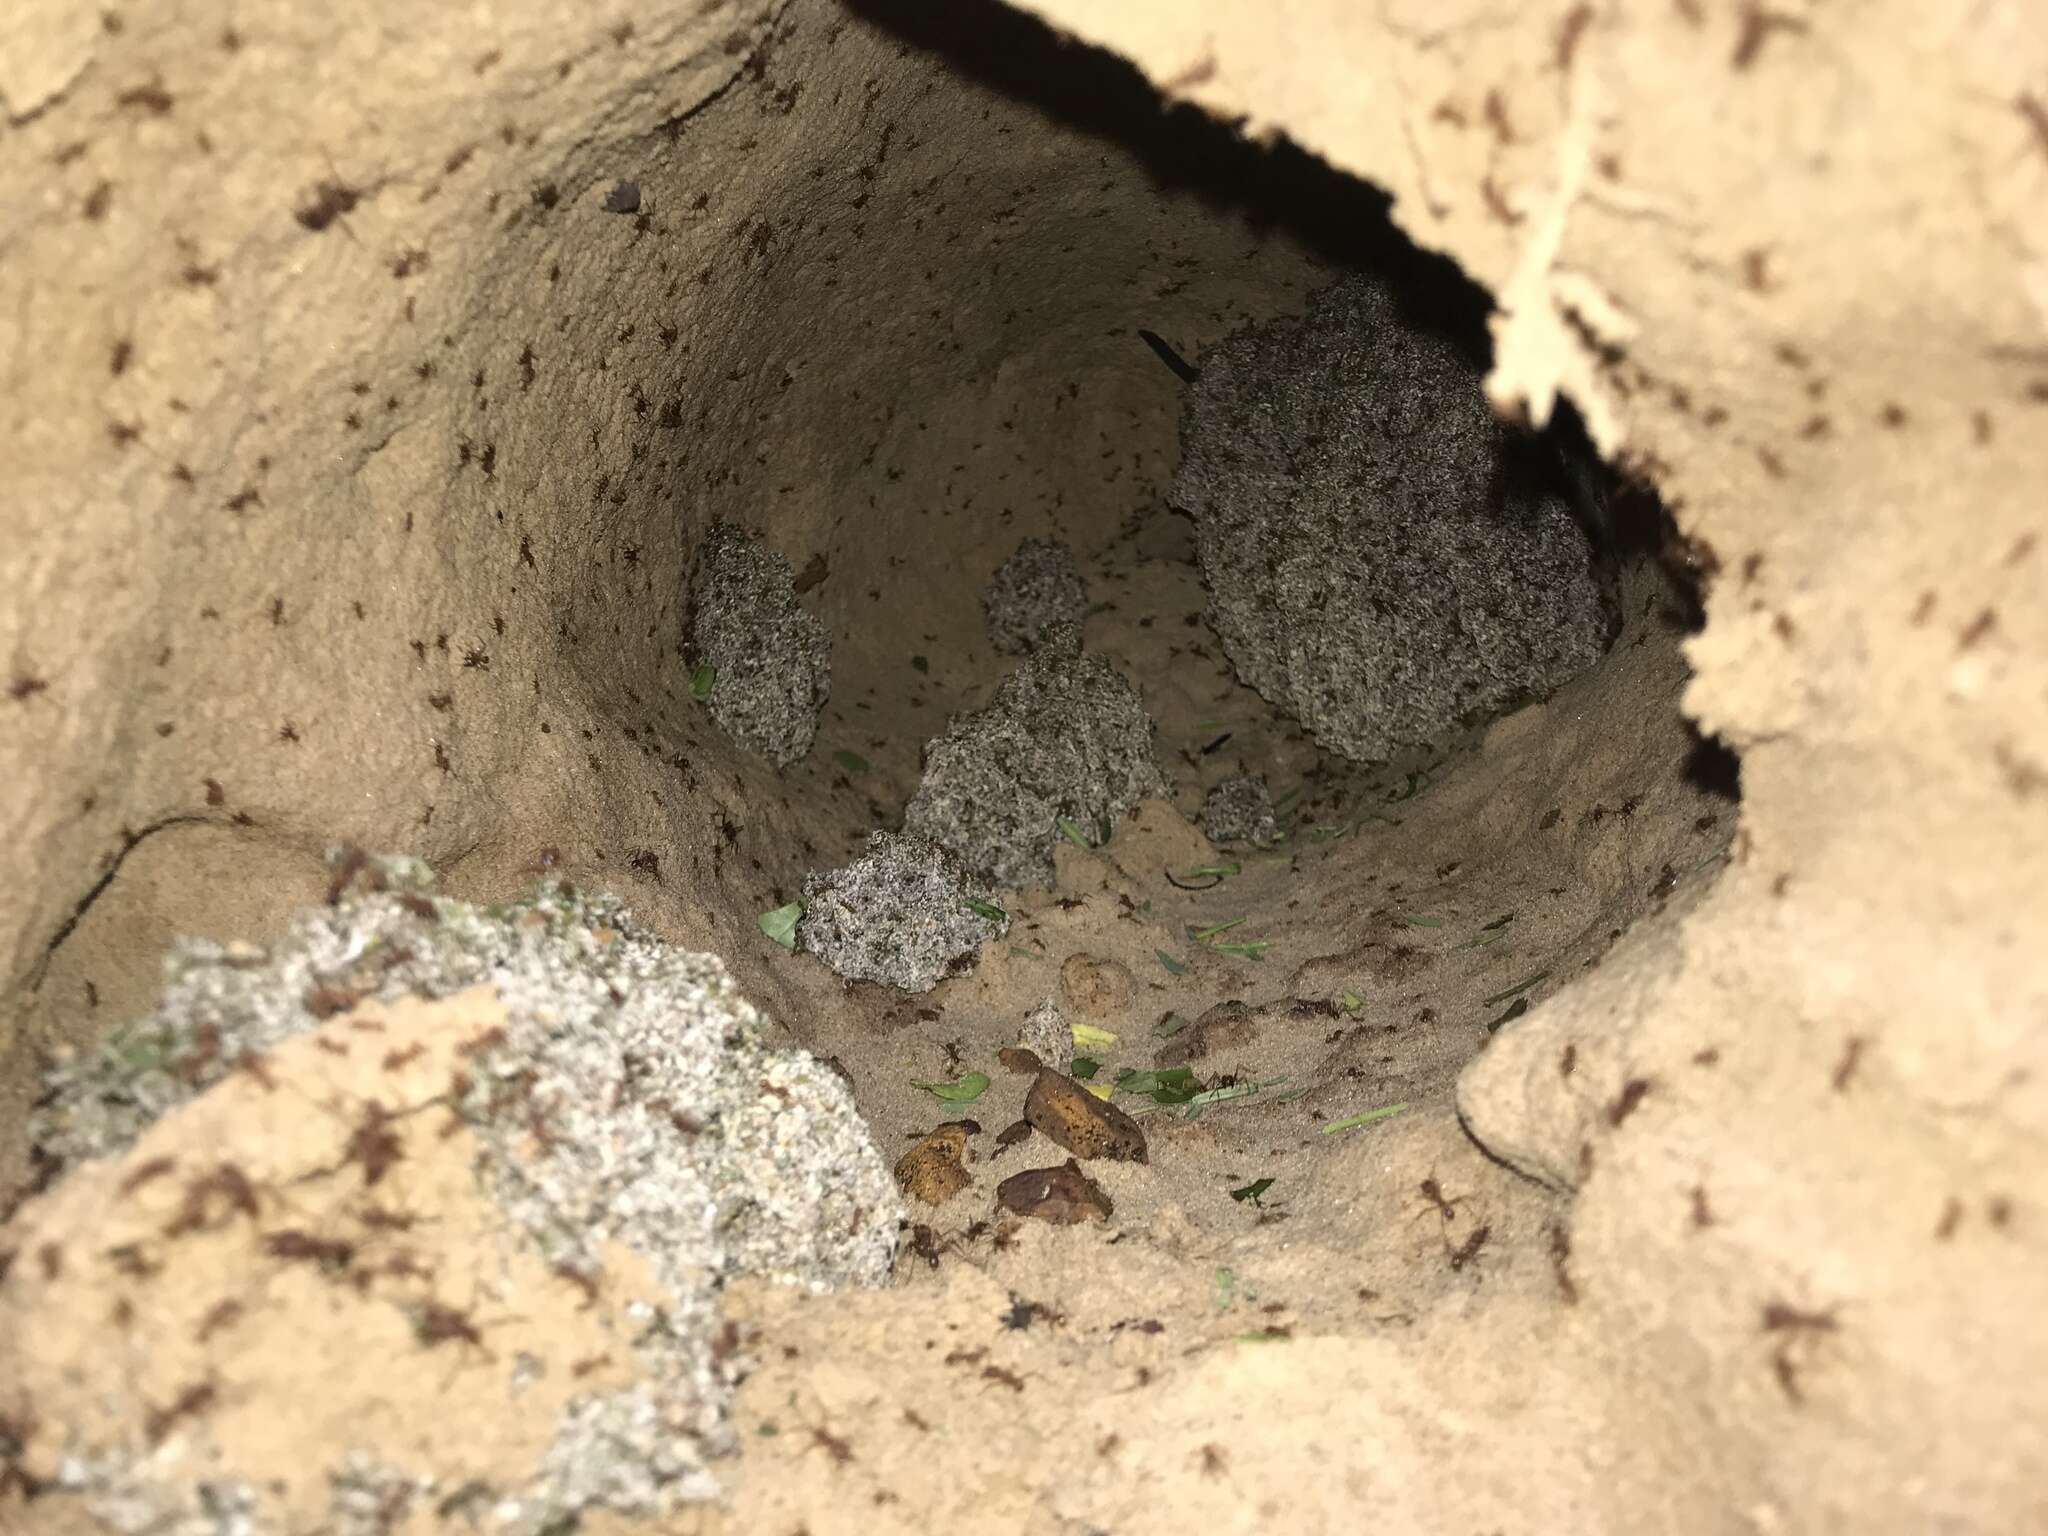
(1089, 1035)
(1200, 935)
(1352, 1002)
(971, 1085)
(1100, 1090)
(1520, 986)
(987, 909)
(1173, 966)
(1417, 920)
(852, 762)
(1365, 1119)
(702, 681)
(1482, 939)
(1234, 1091)
(1084, 1067)
(780, 924)
(1253, 949)
(1252, 1191)
(1073, 833)
(1168, 1085)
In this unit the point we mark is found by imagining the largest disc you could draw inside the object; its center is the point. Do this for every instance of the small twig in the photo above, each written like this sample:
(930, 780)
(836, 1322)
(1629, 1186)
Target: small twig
(1186, 371)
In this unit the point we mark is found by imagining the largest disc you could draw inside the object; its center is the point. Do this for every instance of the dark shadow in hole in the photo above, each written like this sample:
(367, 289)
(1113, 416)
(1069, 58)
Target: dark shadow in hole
(1712, 766)
(1344, 220)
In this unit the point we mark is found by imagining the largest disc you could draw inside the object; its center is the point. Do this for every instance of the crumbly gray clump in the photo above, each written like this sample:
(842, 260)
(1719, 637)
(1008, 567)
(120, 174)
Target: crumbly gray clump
(903, 913)
(1240, 810)
(672, 1129)
(1065, 736)
(771, 659)
(1048, 1036)
(1034, 591)
(1378, 565)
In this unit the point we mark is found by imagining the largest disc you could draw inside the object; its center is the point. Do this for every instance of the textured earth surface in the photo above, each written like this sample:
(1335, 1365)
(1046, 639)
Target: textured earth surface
(359, 437)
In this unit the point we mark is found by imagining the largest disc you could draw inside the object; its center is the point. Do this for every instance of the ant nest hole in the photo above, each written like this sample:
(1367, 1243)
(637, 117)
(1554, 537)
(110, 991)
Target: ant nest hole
(1032, 582)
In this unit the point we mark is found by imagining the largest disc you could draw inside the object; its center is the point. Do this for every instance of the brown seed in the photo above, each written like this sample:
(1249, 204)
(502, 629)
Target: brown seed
(1063, 1195)
(1088, 1127)
(935, 1170)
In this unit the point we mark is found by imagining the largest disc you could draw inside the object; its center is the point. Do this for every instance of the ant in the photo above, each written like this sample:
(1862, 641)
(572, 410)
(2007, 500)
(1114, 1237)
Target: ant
(1445, 1206)
(837, 1447)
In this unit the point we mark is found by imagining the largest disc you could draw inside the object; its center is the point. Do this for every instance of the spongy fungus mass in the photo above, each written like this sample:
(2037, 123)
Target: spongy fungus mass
(1063, 748)
(1379, 565)
(769, 659)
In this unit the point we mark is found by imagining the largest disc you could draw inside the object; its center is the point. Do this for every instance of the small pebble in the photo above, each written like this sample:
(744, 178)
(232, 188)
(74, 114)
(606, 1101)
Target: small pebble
(1063, 1195)
(1047, 1036)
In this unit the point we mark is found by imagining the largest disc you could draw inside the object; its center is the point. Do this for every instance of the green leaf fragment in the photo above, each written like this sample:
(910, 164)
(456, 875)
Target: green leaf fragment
(1084, 1068)
(1200, 934)
(780, 924)
(1352, 1002)
(702, 681)
(1365, 1119)
(1520, 986)
(1073, 833)
(852, 762)
(1252, 1191)
(1168, 1085)
(1417, 920)
(1234, 1091)
(1169, 1026)
(1254, 949)
(1481, 940)
(987, 909)
(1173, 966)
(971, 1085)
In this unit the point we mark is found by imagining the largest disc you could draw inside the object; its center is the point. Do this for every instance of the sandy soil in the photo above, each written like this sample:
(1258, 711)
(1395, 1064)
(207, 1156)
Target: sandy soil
(357, 454)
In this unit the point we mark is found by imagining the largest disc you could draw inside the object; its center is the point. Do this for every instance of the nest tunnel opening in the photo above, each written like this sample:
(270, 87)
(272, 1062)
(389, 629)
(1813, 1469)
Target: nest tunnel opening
(894, 417)
(940, 316)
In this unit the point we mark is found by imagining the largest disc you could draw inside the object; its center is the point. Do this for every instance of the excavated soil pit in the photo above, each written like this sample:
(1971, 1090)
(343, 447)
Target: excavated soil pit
(900, 370)
(893, 350)
(909, 338)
